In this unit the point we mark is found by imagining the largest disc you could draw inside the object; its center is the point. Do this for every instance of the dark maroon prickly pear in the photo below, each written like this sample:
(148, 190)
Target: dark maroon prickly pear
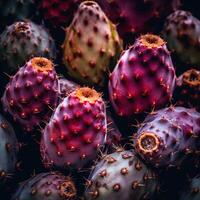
(32, 93)
(47, 186)
(143, 79)
(76, 130)
(187, 92)
(58, 13)
(121, 175)
(137, 16)
(8, 149)
(170, 138)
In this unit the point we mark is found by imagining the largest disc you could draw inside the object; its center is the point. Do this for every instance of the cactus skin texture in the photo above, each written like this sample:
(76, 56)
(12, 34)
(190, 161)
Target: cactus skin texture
(121, 175)
(14, 10)
(76, 130)
(114, 136)
(182, 33)
(46, 186)
(9, 149)
(170, 137)
(59, 13)
(22, 41)
(137, 16)
(32, 93)
(192, 192)
(188, 89)
(66, 87)
(91, 46)
(143, 79)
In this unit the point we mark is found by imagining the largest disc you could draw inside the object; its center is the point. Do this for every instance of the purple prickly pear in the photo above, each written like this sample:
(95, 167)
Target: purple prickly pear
(170, 138)
(143, 79)
(121, 175)
(76, 130)
(47, 186)
(134, 17)
(32, 93)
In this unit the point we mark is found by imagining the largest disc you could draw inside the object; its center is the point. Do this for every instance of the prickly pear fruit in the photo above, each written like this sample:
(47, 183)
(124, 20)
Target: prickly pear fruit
(47, 186)
(121, 175)
(182, 33)
(169, 138)
(8, 149)
(136, 16)
(91, 46)
(76, 130)
(32, 93)
(22, 41)
(187, 92)
(143, 79)
(59, 13)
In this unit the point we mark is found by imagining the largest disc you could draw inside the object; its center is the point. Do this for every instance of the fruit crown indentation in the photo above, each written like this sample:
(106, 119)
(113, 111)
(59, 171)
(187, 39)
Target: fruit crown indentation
(151, 41)
(42, 64)
(87, 94)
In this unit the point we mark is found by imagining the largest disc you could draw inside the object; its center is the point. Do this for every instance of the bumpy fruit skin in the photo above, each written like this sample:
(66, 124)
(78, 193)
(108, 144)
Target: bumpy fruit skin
(192, 192)
(66, 87)
(143, 79)
(187, 92)
(182, 33)
(76, 130)
(32, 93)
(168, 138)
(58, 12)
(46, 186)
(14, 10)
(8, 149)
(121, 175)
(91, 46)
(22, 41)
(137, 16)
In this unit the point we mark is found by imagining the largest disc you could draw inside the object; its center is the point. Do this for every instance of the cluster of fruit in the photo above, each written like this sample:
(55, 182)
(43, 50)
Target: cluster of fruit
(100, 100)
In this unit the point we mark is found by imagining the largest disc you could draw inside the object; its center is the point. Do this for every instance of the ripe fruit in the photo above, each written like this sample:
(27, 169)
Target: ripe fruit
(58, 13)
(121, 175)
(169, 138)
(22, 41)
(187, 92)
(46, 186)
(136, 16)
(8, 151)
(76, 130)
(182, 33)
(32, 93)
(143, 79)
(91, 46)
